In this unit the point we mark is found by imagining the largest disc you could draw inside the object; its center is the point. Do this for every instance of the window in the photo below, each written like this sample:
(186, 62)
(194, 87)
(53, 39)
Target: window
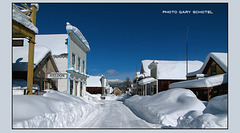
(78, 64)
(71, 87)
(81, 87)
(213, 70)
(76, 86)
(83, 67)
(73, 60)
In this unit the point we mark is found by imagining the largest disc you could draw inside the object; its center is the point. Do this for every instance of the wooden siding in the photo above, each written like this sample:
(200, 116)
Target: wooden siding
(164, 84)
(205, 94)
(191, 77)
(207, 69)
(46, 66)
(117, 92)
(94, 90)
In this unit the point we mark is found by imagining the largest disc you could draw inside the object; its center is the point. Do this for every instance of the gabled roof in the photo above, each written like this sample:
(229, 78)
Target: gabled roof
(174, 70)
(20, 56)
(219, 58)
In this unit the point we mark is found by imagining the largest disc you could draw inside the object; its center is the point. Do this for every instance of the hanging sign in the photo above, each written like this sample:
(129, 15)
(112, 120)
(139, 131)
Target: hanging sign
(57, 75)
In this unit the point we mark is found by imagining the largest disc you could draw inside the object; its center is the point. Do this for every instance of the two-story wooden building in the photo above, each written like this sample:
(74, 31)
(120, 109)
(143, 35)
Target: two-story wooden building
(210, 80)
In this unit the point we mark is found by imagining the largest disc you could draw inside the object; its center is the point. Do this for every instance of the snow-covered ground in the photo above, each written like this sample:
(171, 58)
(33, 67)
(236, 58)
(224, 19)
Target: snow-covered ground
(175, 108)
(180, 108)
(53, 109)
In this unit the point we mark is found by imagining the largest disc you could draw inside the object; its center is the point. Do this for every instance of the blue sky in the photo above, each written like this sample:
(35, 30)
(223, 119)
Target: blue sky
(121, 35)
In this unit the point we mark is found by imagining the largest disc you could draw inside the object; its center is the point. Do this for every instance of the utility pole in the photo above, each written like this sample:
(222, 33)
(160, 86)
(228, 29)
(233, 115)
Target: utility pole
(187, 53)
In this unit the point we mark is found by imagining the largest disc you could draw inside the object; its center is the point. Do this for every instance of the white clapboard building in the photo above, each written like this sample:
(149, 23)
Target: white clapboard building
(70, 54)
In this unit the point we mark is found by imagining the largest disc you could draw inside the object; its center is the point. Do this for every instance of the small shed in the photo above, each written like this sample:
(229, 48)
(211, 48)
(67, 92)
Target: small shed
(96, 84)
(117, 91)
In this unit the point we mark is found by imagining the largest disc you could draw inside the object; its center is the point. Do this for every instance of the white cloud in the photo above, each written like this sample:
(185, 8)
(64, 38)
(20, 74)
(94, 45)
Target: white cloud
(111, 72)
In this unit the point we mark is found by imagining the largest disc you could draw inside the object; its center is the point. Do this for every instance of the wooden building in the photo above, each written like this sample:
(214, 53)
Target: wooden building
(97, 85)
(43, 65)
(210, 80)
(156, 75)
(117, 92)
(24, 26)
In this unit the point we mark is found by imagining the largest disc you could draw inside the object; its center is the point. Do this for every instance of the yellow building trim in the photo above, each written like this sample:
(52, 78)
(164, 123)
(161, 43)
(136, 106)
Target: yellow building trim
(31, 54)
(19, 31)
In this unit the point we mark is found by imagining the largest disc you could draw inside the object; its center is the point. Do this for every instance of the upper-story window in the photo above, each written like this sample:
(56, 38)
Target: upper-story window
(73, 60)
(83, 67)
(78, 64)
(213, 70)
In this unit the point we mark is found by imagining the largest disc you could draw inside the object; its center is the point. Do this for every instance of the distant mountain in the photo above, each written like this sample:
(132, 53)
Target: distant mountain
(116, 83)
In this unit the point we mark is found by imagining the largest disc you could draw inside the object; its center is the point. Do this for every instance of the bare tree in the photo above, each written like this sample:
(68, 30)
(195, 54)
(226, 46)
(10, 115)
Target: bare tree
(127, 84)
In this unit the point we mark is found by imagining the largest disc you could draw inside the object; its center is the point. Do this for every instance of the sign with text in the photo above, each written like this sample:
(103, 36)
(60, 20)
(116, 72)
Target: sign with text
(57, 75)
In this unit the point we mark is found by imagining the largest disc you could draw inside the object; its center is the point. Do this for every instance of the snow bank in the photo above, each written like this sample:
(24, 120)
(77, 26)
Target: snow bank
(53, 109)
(214, 116)
(166, 107)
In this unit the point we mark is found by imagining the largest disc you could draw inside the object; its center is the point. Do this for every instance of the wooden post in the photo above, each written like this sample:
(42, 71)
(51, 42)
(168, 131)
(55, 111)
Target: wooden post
(31, 54)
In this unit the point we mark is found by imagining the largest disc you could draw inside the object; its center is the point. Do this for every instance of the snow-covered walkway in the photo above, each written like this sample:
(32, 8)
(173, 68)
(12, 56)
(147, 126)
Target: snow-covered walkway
(113, 114)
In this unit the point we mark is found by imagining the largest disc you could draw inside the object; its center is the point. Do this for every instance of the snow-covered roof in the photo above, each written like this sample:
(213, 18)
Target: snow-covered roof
(202, 82)
(138, 75)
(77, 33)
(147, 81)
(20, 56)
(219, 58)
(55, 42)
(170, 69)
(94, 81)
(23, 19)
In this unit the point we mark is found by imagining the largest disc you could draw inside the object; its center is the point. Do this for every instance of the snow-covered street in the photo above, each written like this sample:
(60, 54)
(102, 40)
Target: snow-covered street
(114, 114)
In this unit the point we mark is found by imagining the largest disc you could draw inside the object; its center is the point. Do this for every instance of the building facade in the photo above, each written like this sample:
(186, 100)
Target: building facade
(210, 80)
(70, 54)
(43, 64)
(156, 75)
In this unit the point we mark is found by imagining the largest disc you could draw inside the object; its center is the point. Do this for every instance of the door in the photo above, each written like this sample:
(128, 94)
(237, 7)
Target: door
(76, 87)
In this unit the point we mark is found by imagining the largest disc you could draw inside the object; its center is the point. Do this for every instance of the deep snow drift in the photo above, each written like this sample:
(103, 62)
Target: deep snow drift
(179, 108)
(166, 107)
(214, 116)
(175, 108)
(53, 109)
